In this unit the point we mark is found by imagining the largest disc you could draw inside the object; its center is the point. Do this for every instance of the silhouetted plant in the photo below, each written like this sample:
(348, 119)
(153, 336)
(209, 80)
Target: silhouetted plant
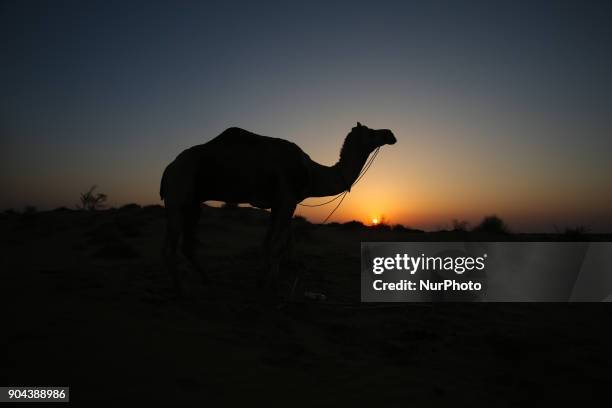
(29, 210)
(91, 201)
(492, 224)
(460, 225)
(229, 205)
(403, 228)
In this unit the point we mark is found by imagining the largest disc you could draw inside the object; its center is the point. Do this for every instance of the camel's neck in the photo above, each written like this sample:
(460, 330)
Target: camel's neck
(332, 180)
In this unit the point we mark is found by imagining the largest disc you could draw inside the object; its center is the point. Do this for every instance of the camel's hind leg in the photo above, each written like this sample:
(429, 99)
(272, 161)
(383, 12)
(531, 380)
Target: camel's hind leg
(190, 238)
(174, 230)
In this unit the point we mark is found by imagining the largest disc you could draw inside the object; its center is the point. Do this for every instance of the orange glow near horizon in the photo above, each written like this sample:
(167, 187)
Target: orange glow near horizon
(419, 183)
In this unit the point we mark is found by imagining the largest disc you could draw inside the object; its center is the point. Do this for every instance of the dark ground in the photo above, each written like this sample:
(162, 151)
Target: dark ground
(87, 304)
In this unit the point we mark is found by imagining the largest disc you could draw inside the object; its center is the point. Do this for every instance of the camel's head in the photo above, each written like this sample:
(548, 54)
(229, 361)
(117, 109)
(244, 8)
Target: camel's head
(370, 139)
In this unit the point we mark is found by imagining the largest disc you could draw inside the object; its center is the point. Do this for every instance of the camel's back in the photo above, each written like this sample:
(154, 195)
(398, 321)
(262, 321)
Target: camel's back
(239, 162)
(237, 138)
(243, 146)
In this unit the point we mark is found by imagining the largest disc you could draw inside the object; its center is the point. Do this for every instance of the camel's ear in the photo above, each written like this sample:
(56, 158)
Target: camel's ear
(359, 124)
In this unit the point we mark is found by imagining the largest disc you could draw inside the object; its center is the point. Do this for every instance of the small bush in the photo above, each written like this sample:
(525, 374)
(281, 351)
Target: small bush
(492, 224)
(460, 225)
(91, 201)
(403, 228)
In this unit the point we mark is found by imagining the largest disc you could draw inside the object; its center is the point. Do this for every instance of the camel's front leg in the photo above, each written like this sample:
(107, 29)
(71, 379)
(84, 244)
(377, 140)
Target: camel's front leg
(275, 242)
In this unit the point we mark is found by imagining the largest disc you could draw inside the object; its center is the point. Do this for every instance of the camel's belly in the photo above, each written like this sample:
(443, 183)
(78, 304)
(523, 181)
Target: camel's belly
(238, 191)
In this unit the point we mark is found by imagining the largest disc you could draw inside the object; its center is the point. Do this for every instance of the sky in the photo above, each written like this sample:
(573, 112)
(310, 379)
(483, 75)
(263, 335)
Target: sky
(498, 107)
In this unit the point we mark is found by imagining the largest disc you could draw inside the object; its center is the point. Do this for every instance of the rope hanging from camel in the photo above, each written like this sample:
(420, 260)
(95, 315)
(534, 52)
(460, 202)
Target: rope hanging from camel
(343, 194)
(366, 167)
(359, 176)
(322, 204)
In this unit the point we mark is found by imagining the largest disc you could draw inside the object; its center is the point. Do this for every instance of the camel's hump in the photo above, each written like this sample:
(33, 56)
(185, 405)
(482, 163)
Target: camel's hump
(236, 135)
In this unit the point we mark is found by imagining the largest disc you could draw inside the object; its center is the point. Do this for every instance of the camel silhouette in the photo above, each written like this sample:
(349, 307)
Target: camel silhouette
(271, 173)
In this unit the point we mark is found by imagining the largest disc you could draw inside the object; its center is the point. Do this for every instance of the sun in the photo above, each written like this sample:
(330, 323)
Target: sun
(375, 221)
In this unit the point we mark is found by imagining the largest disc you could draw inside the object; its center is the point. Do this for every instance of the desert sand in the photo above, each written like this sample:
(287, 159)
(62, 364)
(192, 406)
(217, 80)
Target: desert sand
(88, 304)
